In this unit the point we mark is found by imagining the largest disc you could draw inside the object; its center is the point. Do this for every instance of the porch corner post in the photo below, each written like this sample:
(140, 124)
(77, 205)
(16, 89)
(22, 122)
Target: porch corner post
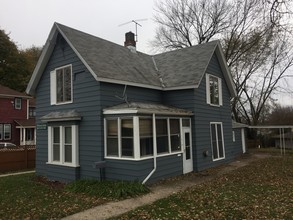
(154, 150)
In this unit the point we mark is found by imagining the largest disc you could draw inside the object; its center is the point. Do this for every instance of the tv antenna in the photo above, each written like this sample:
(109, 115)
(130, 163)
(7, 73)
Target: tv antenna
(135, 23)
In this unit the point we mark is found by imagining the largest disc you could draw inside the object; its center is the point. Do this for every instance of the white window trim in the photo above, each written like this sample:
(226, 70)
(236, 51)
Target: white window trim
(75, 146)
(208, 90)
(136, 139)
(10, 131)
(223, 143)
(53, 86)
(17, 105)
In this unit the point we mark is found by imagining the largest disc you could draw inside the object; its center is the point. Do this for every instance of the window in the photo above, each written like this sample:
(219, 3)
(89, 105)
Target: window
(32, 112)
(162, 136)
(146, 137)
(134, 137)
(119, 137)
(214, 90)
(1, 131)
(175, 135)
(61, 85)
(112, 138)
(29, 134)
(63, 145)
(217, 141)
(17, 103)
(127, 137)
(233, 136)
(5, 131)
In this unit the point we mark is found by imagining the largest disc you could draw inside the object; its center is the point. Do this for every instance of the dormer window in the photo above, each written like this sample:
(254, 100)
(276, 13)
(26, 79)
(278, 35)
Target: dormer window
(61, 85)
(214, 90)
(17, 103)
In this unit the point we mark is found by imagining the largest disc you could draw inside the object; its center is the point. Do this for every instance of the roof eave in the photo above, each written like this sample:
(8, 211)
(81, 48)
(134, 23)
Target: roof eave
(225, 69)
(43, 60)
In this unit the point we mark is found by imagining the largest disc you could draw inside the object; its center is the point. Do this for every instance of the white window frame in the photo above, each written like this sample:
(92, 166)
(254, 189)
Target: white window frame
(208, 90)
(223, 143)
(136, 138)
(17, 103)
(75, 146)
(4, 130)
(53, 86)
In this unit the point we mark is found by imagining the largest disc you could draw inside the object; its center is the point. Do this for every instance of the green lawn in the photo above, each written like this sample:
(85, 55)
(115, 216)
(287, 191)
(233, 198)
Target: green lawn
(28, 197)
(262, 190)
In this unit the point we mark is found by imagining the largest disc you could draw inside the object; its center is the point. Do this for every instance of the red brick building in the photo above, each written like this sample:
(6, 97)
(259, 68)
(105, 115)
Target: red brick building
(17, 117)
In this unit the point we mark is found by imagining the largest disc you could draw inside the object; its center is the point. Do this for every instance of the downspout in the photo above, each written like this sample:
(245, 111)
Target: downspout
(155, 150)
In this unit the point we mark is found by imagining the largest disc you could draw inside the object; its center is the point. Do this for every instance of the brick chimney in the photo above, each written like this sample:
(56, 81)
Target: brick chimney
(129, 39)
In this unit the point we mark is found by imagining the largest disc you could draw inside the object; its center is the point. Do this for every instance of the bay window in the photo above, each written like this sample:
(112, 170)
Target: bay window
(134, 137)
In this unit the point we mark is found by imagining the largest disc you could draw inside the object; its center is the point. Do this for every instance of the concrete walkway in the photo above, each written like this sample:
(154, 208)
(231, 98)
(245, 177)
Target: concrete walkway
(18, 173)
(159, 191)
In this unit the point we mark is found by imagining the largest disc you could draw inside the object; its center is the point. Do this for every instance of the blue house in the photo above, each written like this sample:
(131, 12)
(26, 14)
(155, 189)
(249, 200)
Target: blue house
(142, 117)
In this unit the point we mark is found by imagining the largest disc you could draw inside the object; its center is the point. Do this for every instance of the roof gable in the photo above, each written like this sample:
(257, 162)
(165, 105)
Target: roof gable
(109, 62)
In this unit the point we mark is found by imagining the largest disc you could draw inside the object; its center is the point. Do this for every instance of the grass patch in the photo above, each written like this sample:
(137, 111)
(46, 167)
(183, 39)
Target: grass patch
(271, 150)
(261, 190)
(30, 197)
(108, 189)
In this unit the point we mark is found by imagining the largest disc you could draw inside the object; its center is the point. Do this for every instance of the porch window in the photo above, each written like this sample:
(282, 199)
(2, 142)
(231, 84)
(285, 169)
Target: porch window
(217, 141)
(175, 135)
(61, 85)
(112, 138)
(127, 137)
(162, 136)
(133, 137)
(146, 137)
(214, 90)
(29, 134)
(63, 145)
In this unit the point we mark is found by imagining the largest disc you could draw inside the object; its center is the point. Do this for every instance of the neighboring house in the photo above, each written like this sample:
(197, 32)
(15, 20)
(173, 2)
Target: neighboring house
(285, 140)
(16, 124)
(148, 117)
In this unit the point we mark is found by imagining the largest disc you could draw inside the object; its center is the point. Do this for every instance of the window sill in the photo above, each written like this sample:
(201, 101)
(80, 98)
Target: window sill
(144, 158)
(62, 103)
(62, 164)
(222, 158)
(214, 105)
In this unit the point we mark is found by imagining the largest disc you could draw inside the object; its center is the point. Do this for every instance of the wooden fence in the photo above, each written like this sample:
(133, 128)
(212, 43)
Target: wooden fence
(20, 158)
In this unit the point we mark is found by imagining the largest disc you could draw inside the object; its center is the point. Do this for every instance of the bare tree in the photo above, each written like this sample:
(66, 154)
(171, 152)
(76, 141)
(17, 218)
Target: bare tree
(255, 38)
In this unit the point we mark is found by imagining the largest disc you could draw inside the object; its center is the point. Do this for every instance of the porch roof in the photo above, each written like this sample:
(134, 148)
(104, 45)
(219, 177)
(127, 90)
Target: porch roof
(25, 123)
(71, 115)
(146, 108)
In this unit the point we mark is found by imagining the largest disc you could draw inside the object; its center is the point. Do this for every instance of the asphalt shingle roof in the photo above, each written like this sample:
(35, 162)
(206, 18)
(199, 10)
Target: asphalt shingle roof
(110, 62)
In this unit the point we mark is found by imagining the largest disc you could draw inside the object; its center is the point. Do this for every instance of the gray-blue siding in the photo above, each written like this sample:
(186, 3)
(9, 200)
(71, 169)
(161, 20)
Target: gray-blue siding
(91, 97)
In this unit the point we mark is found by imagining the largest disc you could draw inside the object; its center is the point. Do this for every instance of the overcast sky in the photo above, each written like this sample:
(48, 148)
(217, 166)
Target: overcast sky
(30, 21)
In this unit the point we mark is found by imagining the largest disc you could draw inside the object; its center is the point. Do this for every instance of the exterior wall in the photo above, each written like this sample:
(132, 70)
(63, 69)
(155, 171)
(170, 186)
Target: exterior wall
(238, 141)
(86, 101)
(8, 114)
(204, 114)
(91, 97)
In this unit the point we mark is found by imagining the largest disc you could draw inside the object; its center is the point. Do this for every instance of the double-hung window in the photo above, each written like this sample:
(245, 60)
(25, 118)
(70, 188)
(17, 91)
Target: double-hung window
(63, 145)
(214, 90)
(217, 140)
(17, 103)
(5, 131)
(61, 85)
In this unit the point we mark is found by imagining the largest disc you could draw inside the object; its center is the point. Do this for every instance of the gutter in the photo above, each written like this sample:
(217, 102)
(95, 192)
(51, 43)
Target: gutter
(155, 151)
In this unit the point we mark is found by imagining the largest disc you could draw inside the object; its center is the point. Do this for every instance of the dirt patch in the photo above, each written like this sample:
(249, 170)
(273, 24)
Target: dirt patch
(51, 183)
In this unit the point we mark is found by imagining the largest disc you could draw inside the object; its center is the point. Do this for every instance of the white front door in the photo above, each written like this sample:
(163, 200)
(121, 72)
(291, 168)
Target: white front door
(187, 150)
